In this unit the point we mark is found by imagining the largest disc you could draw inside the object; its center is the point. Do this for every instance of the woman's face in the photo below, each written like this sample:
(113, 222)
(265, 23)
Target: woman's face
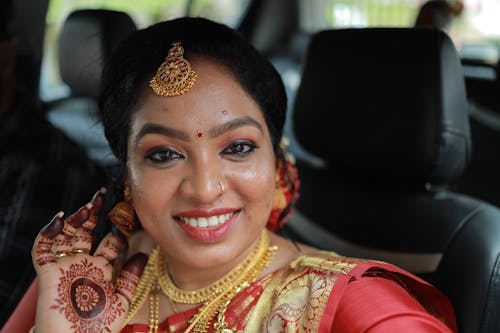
(201, 168)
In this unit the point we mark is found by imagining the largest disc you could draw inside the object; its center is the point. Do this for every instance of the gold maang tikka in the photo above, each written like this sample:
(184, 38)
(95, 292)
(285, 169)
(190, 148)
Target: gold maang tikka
(174, 77)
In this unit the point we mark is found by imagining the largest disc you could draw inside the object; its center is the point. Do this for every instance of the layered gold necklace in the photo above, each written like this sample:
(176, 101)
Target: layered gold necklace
(215, 297)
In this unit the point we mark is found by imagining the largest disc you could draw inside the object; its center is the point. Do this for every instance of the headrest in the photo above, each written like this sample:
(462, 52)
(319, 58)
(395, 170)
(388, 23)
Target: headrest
(86, 40)
(387, 101)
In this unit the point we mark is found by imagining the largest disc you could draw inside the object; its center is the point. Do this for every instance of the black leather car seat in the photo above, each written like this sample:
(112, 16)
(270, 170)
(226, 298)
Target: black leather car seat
(386, 111)
(482, 177)
(86, 40)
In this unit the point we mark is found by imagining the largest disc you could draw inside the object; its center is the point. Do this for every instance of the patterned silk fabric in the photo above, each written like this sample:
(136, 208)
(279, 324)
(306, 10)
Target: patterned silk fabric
(292, 299)
(322, 293)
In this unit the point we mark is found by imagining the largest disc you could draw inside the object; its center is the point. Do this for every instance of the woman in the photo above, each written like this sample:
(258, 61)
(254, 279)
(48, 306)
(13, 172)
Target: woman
(195, 115)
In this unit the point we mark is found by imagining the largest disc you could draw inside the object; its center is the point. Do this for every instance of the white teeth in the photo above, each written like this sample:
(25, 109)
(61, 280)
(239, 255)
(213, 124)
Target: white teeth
(191, 221)
(213, 221)
(206, 222)
(202, 222)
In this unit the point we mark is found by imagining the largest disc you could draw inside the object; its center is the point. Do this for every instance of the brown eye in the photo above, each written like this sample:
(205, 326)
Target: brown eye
(239, 148)
(162, 155)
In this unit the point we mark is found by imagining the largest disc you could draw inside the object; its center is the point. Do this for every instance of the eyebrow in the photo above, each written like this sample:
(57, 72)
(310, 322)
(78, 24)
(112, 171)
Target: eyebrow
(150, 128)
(232, 124)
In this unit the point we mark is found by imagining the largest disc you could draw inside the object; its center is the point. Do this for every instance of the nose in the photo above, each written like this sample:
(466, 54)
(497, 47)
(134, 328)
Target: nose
(203, 182)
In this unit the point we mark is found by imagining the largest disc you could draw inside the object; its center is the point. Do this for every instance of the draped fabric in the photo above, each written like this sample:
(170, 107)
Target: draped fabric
(315, 293)
(327, 293)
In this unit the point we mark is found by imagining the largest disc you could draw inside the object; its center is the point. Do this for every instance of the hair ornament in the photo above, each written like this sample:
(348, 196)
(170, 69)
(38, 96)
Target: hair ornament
(286, 191)
(174, 77)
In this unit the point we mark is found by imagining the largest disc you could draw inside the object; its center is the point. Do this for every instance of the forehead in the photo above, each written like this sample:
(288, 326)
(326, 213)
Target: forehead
(216, 96)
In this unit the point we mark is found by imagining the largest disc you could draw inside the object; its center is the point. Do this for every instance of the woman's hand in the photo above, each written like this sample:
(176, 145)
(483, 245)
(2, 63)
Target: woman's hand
(76, 289)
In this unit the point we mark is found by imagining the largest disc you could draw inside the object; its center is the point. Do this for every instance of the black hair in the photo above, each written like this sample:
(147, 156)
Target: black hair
(135, 60)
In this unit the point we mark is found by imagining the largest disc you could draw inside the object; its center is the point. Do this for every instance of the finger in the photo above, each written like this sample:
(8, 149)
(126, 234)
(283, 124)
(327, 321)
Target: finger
(129, 278)
(62, 242)
(110, 247)
(82, 239)
(42, 247)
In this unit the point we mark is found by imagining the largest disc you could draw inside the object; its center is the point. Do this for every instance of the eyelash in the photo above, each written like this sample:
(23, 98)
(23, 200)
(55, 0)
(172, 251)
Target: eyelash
(247, 147)
(161, 158)
(236, 149)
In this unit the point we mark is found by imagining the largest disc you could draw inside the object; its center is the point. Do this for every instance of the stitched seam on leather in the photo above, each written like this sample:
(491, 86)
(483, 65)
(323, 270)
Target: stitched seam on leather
(462, 223)
(488, 322)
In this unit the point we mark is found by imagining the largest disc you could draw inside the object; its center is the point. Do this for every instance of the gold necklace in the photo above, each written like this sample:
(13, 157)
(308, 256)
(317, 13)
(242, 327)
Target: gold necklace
(154, 308)
(204, 294)
(219, 302)
(227, 287)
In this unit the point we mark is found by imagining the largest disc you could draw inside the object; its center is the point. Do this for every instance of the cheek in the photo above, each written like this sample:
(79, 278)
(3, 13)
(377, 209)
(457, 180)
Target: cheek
(150, 191)
(256, 184)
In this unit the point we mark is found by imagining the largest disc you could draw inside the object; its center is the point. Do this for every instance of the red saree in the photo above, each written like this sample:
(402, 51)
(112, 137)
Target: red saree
(327, 293)
(320, 293)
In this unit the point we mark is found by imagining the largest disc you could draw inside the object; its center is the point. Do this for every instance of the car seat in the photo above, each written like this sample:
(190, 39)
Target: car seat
(86, 40)
(482, 177)
(386, 111)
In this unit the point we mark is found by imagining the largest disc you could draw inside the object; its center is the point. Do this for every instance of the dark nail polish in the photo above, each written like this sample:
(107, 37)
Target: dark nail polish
(136, 264)
(54, 227)
(81, 215)
(97, 202)
(98, 199)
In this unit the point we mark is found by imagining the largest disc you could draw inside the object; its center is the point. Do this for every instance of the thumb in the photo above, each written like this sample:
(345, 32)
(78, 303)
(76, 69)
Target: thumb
(129, 278)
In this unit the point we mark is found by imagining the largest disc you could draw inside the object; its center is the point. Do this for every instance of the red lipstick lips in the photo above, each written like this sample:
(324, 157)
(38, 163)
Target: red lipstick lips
(208, 233)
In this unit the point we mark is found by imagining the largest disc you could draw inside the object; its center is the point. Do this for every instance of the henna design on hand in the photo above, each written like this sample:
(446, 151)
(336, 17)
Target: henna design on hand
(111, 247)
(63, 241)
(126, 285)
(44, 252)
(43, 249)
(129, 278)
(86, 300)
(82, 239)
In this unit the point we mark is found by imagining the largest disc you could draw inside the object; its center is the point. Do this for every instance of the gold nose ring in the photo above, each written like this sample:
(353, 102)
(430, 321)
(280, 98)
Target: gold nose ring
(221, 186)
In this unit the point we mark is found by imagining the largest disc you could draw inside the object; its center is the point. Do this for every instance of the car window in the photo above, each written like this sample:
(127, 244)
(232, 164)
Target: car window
(475, 32)
(144, 13)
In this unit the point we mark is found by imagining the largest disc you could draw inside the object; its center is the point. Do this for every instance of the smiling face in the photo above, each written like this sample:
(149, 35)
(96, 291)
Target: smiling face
(202, 170)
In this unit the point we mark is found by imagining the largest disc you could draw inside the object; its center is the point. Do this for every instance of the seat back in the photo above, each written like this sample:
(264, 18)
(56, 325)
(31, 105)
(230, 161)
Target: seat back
(85, 42)
(386, 111)
(482, 177)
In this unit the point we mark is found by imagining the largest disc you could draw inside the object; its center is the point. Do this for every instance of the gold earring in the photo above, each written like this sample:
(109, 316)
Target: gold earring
(280, 201)
(285, 195)
(174, 76)
(122, 215)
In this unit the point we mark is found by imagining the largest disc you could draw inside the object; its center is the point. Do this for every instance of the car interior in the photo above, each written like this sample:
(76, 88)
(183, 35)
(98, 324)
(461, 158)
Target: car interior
(395, 129)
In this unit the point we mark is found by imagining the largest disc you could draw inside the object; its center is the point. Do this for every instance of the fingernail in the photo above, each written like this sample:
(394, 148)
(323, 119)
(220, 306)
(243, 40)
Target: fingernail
(97, 201)
(136, 263)
(54, 227)
(78, 218)
(100, 192)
